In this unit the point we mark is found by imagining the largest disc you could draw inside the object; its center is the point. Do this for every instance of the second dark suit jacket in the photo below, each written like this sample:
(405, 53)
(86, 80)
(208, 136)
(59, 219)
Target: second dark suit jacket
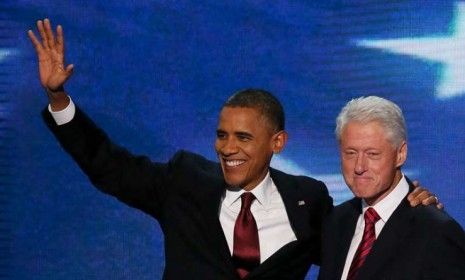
(184, 195)
(416, 243)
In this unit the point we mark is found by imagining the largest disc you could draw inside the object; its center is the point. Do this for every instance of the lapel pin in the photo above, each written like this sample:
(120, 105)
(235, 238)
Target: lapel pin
(301, 202)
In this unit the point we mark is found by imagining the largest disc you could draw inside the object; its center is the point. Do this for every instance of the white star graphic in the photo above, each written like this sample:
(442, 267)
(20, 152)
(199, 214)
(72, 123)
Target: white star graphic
(448, 50)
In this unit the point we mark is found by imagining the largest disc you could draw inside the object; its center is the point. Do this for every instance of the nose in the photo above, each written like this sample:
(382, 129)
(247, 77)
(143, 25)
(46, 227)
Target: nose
(360, 164)
(229, 147)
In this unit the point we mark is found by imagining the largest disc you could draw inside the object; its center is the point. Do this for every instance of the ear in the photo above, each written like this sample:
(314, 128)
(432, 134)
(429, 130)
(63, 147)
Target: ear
(401, 154)
(279, 141)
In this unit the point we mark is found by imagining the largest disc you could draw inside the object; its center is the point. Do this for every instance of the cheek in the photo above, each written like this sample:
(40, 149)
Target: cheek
(347, 166)
(217, 146)
(380, 169)
(386, 174)
(251, 150)
(347, 172)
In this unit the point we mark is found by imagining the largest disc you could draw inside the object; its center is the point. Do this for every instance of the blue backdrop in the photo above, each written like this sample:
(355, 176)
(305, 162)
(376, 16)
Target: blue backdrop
(154, 74)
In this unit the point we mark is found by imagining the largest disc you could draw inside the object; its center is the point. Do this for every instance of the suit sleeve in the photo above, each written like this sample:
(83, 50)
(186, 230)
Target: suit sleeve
(135, 180)
(447, 253)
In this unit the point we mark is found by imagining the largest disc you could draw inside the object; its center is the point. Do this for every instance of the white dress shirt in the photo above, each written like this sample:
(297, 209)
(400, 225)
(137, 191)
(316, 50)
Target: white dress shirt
(274, 228)
(384, 208)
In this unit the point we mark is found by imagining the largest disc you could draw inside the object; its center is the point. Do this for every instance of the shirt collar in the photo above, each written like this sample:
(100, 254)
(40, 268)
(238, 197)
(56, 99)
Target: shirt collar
(387, 205)
(262, 192)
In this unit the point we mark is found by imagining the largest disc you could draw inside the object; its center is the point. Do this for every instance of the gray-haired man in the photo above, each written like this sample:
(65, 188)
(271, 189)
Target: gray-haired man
(377, 235)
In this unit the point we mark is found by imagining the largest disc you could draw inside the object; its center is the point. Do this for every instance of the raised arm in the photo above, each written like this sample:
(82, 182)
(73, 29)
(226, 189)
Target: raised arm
(52, 71)
(134, 180)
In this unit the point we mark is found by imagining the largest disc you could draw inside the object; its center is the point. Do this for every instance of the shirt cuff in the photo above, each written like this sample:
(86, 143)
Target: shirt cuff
(64, 116)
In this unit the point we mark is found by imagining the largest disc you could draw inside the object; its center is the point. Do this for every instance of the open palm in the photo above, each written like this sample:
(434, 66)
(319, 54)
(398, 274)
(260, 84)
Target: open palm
(50, 53)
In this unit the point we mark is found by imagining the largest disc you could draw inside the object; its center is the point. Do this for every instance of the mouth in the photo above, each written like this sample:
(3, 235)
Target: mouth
(362, 178)
(233, 162)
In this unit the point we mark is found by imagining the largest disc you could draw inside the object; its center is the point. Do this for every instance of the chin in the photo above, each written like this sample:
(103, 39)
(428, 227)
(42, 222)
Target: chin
(232, 182)
(361, 194)
(370, 199)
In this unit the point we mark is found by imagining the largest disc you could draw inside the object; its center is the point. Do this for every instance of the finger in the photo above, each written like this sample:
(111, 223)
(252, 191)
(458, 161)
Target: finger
(416, 191)
(416, 183)
(34, 41)
(412, 199)
(430, 200)
(40, 27)
(49, 33)
(417, 196)
(440, 206)
(60, 40)
(414, 202)
(426, 196)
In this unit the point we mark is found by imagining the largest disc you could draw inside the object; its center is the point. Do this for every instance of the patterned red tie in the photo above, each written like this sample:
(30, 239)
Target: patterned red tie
(246, 252)
(369, 237)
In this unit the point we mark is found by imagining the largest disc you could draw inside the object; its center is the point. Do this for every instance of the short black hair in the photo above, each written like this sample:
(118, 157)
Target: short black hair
(262, 100)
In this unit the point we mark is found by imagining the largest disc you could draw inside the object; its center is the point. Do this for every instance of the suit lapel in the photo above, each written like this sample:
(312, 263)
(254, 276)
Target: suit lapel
(344, 232)
(389, 241)
(295, 205)
(210, 212)
(298, 218)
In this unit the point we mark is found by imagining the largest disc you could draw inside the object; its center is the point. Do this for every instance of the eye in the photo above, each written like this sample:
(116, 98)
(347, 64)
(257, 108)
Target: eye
(243, 138)
(350, 154)
(374, 155)
(220, 135)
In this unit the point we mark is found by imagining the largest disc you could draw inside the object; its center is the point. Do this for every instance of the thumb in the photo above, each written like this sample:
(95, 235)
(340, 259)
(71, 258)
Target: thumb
(69, 70)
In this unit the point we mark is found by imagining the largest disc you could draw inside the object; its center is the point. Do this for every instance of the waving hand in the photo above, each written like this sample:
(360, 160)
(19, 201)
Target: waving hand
(52, 71)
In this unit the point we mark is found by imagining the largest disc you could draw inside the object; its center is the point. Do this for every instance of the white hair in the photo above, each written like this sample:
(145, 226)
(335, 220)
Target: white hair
(374, 109)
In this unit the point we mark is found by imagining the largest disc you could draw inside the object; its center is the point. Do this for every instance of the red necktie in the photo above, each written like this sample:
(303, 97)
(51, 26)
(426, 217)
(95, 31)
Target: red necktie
(369, 237)
(246, 252)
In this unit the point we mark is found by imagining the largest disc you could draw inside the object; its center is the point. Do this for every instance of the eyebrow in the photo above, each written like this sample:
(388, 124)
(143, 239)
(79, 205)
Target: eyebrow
(363, 150)
(238, 133)
(243, 134)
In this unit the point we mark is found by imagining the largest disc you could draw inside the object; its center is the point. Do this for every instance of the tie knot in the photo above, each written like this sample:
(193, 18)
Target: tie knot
(247, 198)
(371, 216)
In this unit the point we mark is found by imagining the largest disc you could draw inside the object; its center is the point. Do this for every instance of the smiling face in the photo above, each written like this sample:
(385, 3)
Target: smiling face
(370, 162)
(245, 143)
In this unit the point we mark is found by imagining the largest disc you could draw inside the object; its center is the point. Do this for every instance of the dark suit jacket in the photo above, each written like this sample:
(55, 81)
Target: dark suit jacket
(415, 243)
(184, 195)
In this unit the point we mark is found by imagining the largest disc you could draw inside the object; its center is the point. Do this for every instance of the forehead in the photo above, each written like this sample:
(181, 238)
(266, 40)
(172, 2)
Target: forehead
(371, 133)
(242, 117)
